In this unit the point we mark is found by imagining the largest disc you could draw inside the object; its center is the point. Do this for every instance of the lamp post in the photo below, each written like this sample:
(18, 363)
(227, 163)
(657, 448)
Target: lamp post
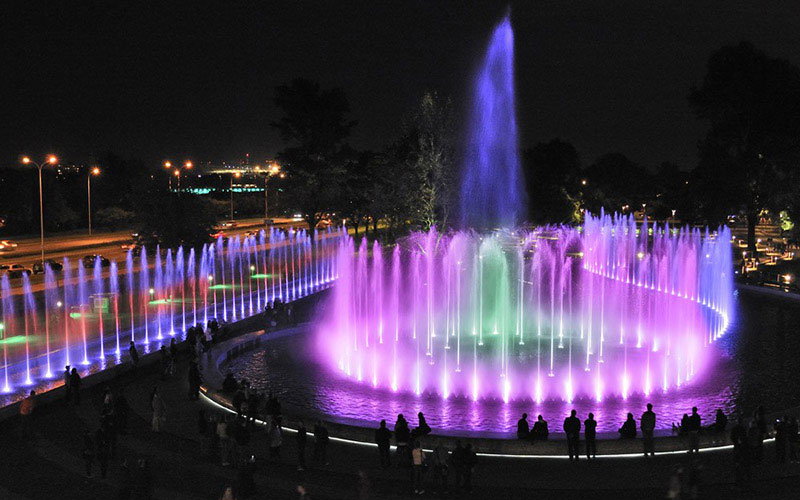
(93, 171)
(237, 175)
(52, 160)
(167, 166)
(273, 169)
(188, 166)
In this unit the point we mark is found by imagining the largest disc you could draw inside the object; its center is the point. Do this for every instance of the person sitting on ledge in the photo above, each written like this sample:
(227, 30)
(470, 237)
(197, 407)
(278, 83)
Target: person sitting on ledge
(540, 432)
(423, 429)
(229, 385)
(628, 429)
(523, 429)
(720, 423)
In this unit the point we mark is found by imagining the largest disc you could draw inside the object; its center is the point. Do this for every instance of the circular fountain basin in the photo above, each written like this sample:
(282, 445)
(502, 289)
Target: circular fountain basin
(754, 364)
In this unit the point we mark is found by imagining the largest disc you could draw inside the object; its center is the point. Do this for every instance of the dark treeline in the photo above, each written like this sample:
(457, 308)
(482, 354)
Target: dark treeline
(747, 163)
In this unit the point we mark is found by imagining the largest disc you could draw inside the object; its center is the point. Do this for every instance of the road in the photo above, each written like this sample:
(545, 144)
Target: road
(109, 245)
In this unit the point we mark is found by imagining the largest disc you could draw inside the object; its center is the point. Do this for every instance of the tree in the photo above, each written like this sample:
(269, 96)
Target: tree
(552, 178)
(614, 181)
(752, 104)
(429, 156)
(315, 123)
(172, 219)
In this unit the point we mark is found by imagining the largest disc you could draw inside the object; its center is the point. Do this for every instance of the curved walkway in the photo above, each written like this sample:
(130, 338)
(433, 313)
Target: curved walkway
(52, 467)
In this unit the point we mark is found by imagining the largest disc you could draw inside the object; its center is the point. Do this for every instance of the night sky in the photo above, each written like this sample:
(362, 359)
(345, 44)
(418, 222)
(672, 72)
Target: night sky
(172, 80)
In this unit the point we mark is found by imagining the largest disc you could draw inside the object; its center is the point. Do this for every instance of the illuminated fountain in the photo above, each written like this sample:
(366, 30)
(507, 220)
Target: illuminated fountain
(553, 313)
(549, 313)
(86, 316)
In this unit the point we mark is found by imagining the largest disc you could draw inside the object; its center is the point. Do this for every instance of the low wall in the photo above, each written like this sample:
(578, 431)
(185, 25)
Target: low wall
(556, 446)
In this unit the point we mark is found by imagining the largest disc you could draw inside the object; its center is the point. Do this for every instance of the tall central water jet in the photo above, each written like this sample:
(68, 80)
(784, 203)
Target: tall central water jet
(492, 194)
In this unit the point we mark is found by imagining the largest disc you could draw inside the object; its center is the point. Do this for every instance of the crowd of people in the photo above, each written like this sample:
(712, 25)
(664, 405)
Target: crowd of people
(690, 427)
(433, 468)
(279, 314)
(227, 439)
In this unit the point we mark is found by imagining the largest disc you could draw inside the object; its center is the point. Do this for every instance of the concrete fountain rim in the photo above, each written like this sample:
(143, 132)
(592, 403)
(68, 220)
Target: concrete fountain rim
(484, 446)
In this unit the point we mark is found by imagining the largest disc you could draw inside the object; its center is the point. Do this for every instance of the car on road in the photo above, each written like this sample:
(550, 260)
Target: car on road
(55, 265)
(7, 246)
(89, 260)
(14, 270)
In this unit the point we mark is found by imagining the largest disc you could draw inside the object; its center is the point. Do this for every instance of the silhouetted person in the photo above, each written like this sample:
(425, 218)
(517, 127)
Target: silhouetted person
(88, 452)
(417, 462)
(134, 354)
(742, 455)
(761, 432)
(457, 461)
(439, 459)
(423, 429)
(720, 422)
(648, 425)
(275, 436)
(791, 428)
(300, 437)
(103, 451)
(75, 385)
(469, 463)
(628, 429)
(402, 435)
(321, 442)
(229, 385)
(383, 438)
(540, 432)
(26, 409)
(194, 381)
(693, 429)
(121, 410)
(590, 434)
(572, 428)
(523, 429)
(67, 392)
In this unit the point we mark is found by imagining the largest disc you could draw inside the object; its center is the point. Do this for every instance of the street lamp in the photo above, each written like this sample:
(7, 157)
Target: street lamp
(188, 166)
(93, 171)
(52, 160)
(273, 169)
(167, 166)
(237, 175)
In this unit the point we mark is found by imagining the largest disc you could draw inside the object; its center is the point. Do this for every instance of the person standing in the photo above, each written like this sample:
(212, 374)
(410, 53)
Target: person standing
(275, 438)
(134, 354)
(572, 428)
(26, 414)
(75, 385)
(321, 442)
(159, 410)
(648, 425)
(300, 437)
(417, 461)
(383, 438)
(590, 434)
(194, 381)
(66, 385)
(402, 434)
(224, 439)
(440, 457)
(88, 452)
(694, 423)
